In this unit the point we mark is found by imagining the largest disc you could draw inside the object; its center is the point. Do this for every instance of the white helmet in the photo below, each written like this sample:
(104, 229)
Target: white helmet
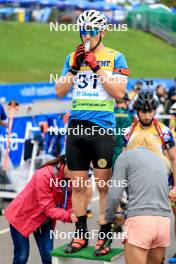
(92, 18)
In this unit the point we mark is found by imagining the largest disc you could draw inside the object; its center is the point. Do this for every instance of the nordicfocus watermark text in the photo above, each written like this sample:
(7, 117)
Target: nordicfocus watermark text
(82, 183)
(82, 77)
(80, 130)
(93, 234)
(56, 26)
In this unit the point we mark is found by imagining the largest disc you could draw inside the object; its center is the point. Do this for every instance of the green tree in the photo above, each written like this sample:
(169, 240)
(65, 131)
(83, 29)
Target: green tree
(170, 3)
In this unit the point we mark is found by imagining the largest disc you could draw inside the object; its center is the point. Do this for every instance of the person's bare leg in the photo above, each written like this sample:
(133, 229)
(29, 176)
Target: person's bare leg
(174, 212)
(135, 255)
(89, 187)
(156, 255)
(104, 240)
(79, 204)
(89, 198)
(101, 178)
(89, 193)
(79, 199)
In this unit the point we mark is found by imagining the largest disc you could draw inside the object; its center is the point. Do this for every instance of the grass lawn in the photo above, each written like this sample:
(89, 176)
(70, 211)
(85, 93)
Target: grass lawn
(30, 52)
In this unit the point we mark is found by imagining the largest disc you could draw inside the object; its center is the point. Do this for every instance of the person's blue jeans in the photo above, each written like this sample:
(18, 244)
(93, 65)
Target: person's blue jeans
(21, 244)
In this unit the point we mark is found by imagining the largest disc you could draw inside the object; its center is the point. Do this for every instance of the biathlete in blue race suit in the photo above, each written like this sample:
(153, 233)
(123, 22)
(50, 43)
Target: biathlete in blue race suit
(98, 76)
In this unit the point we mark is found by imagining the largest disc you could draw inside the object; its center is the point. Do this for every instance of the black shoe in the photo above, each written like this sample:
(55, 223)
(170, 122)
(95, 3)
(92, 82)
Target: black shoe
(76, 245)
(102, 247)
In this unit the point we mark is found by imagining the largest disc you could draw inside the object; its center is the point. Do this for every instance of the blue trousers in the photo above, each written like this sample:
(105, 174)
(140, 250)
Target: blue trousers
(21, 244)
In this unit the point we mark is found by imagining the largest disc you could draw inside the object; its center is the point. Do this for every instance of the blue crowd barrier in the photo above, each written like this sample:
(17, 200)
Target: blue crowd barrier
(30, 92)
(19, 129)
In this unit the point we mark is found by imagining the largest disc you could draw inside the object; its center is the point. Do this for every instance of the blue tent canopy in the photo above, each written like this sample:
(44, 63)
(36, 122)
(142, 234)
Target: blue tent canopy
(3, 2)
(65, 4)
(6, 2)
(27, 3)
(48, 3)
(82, 4)
(101, 6)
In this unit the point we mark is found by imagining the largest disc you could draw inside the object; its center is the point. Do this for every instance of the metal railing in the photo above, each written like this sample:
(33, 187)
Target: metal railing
(154, 26)
(162, 31)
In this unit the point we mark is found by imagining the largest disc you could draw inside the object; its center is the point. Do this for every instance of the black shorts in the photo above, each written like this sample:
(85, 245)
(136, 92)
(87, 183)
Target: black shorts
(82, 148)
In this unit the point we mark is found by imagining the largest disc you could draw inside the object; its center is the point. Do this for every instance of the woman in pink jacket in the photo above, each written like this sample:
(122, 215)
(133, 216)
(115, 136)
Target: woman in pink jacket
(45, 199)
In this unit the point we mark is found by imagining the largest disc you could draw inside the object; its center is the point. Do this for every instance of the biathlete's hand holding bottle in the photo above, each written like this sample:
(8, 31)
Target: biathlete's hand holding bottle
(91, 60)
(78, 58)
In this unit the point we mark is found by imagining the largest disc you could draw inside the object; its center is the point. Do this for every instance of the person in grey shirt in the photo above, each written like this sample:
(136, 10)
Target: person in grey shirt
(146, 170)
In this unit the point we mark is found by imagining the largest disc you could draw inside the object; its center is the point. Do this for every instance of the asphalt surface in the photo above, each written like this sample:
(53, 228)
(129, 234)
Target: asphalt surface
(6, 245)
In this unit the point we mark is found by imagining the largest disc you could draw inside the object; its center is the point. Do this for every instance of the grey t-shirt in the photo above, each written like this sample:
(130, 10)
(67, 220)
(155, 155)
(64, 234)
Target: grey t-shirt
(147, 184)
